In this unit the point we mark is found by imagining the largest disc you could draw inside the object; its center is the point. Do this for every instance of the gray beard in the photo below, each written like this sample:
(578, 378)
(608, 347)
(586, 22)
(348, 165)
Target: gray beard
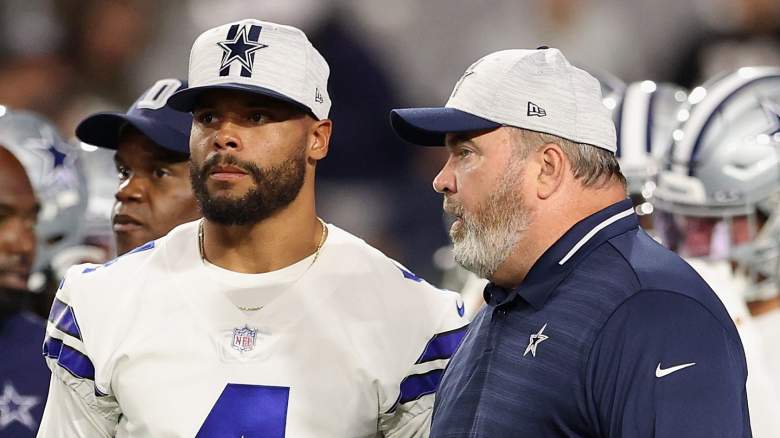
(489, 236)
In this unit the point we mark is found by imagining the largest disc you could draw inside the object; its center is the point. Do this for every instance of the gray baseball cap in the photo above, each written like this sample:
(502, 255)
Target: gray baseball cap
(537, 90)
(258, 57)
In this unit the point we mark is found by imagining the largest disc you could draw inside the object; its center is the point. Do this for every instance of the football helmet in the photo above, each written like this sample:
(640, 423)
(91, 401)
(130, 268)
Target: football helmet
(721, 178)
(55, 172)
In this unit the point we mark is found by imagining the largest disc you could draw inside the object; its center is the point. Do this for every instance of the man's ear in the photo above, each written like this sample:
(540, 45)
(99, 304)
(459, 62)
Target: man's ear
(553, 164)
(319, 139)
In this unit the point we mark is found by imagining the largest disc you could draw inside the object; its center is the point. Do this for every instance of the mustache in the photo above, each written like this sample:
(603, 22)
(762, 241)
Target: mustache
(14, 263)
(230, 160)
(453, 208)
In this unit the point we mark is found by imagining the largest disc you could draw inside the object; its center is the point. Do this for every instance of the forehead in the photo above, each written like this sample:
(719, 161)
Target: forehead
(238, 99)
(134, 146)
(481, 138)
(14, 182)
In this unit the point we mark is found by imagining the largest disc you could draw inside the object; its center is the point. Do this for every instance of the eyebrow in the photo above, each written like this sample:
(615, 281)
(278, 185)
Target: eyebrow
(11, 207)
(459, 140)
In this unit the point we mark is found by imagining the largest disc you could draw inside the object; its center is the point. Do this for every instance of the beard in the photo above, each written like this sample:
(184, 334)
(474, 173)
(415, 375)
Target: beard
(275, 188)
(487, 236)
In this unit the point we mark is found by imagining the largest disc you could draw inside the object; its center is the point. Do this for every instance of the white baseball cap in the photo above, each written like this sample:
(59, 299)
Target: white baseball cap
(258, 57)
(537, 90)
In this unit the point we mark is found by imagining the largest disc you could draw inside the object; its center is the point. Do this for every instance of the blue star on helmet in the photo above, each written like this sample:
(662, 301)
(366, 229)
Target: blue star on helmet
(239, 48)
(59, 157)
(772, 111)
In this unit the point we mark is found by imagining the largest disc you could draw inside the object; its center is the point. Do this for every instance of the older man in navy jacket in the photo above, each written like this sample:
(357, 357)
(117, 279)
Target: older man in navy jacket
(591, 328)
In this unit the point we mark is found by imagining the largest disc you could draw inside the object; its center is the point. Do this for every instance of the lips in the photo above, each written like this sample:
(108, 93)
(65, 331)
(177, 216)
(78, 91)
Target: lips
(125, 223)
(226, 173)
(14, 275)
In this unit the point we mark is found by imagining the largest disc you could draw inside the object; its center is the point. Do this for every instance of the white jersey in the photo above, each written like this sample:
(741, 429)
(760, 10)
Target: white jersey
(768, 327)
(151, 345)
(763, 398)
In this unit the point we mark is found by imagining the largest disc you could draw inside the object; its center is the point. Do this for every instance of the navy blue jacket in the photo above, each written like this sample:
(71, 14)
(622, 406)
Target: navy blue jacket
(609, 335)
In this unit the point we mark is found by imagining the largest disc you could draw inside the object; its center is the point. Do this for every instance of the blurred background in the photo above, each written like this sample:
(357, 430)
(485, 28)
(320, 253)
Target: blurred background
(69, 58)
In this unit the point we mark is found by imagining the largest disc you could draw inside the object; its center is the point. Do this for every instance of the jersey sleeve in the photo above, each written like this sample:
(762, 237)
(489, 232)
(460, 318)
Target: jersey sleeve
(665, 366)
(67, 415)
(410, 416)
(76, 405)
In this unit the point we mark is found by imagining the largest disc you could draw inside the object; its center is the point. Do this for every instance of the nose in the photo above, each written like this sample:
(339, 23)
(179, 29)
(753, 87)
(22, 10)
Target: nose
(227, 137)
(18, 237)
(444, 182)
(133, 189)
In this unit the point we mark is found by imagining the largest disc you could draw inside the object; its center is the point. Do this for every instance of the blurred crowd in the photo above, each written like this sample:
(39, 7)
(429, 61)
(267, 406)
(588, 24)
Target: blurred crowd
(66, 59)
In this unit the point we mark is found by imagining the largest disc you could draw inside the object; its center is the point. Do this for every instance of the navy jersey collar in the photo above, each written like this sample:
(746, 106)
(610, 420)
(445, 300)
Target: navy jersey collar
(559, 259)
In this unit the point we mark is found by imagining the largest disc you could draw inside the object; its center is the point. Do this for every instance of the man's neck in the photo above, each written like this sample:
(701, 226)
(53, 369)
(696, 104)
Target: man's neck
(550, 223)
(281, 240)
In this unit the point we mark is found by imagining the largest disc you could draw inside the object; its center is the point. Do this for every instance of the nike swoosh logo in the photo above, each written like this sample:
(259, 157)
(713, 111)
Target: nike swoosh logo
(661, 372)
(461, 308)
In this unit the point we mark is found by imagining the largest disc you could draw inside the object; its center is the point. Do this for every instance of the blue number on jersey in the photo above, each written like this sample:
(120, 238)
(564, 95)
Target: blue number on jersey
(248, 411)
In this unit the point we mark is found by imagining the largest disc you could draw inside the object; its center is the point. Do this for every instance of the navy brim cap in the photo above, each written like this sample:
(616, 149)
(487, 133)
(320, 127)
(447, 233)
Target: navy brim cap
(103, 130)
(185, 100)
(429, 126)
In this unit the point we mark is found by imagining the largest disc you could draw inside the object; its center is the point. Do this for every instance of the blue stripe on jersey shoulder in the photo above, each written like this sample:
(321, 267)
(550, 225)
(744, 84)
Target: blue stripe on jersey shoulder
(442, 345)
(409, 275)
(145, 247)
(72, 360)
(63, 317)
(417, 385)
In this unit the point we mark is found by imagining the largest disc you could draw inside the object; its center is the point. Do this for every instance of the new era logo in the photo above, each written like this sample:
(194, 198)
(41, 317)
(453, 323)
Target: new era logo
(318, 96)
(536, 110)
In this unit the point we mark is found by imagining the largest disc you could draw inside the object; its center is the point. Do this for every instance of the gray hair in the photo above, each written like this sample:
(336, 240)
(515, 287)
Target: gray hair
(593, 166)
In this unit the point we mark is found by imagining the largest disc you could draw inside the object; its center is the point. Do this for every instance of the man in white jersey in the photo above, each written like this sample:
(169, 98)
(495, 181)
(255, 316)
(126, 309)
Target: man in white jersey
(260, 320)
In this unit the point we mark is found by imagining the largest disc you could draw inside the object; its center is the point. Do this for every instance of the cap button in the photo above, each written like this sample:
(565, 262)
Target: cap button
(542, 48)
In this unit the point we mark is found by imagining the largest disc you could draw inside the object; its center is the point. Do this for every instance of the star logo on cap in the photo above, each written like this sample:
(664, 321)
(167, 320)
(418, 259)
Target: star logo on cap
(469, 71)
(240, 49)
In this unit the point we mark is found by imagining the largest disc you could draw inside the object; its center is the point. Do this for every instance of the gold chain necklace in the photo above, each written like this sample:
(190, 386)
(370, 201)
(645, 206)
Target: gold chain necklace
(323, 235)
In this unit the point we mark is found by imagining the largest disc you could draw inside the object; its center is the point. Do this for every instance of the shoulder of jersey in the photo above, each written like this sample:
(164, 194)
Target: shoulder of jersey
(111, 279)
(357, 261)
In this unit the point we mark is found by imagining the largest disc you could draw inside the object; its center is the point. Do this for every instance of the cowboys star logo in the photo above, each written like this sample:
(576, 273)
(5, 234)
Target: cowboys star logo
(240, 45)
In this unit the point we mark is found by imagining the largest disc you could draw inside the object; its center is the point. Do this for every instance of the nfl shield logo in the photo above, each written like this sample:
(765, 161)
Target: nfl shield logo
(244, 338)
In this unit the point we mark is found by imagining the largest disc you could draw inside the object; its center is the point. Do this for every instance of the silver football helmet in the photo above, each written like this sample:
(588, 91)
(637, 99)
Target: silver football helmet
(54, 171)
(720, 183)
(644, 121)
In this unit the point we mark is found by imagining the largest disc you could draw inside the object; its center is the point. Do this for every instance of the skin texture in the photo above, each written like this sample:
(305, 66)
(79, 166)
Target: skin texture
(265, 132)
(154, 193)
(552, 198)
(18, 215)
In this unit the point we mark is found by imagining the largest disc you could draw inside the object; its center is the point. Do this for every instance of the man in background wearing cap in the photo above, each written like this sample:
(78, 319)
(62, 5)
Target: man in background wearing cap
(152, 152)
(260, 319)
(591, 328)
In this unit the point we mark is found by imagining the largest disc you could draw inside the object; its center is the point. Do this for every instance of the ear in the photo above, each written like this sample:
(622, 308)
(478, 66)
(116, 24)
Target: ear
(553, 165)
(319, 139)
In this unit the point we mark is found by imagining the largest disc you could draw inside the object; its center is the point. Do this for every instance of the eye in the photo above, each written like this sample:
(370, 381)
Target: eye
(161, 172)
(463, 152)
(257, 117)
(122, 172)
(205, 117)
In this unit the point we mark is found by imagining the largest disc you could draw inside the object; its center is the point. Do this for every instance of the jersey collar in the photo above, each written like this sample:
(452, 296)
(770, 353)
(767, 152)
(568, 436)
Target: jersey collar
(561, 258)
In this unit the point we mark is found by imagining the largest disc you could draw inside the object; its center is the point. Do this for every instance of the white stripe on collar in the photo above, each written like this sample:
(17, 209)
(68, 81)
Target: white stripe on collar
(593, 232)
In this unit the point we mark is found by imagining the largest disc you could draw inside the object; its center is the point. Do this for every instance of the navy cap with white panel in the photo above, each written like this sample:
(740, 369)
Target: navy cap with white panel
(609, 335)
(151, 114)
